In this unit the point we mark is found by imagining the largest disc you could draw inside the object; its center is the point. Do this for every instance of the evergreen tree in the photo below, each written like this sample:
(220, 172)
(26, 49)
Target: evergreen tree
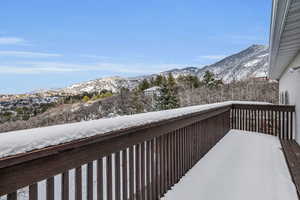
(158, 80)
(193, 81)
(189, 80)
(210, 80)
(152, 82)
(144, 85)
(171, 81)
(167, 98)
(136, 102)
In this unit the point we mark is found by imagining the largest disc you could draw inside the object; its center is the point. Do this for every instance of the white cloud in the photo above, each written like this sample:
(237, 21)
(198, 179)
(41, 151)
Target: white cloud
(12, 41)
(61, 67)
(28, 54)
(32, 70)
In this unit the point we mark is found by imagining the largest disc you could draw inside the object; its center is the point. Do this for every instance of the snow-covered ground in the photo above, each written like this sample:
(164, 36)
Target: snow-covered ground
(15, 142)
(242, 166)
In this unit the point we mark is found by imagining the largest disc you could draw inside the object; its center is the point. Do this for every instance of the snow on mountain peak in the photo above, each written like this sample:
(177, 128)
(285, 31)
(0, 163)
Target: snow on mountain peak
(251, 62)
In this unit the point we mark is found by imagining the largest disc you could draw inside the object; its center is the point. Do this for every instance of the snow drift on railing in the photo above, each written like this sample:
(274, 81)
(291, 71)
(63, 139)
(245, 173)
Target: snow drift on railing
(15, 142)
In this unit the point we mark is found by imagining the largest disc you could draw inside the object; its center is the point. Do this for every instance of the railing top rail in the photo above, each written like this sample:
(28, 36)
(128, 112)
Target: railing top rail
(271, 107)
(165, 125)
(38, 165)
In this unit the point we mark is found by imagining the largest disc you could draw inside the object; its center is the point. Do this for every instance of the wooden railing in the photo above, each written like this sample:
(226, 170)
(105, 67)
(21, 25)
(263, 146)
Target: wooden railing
(137, 163)
(271, 119)
(141, 162)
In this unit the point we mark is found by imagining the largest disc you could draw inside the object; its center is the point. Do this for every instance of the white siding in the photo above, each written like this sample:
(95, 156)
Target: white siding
(290, 82)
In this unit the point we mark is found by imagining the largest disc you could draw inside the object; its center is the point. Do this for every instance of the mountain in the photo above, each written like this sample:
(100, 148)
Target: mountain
(113, 84)
(251, 62)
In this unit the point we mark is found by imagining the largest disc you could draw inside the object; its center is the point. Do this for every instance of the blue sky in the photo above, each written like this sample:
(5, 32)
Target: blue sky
(52, 44)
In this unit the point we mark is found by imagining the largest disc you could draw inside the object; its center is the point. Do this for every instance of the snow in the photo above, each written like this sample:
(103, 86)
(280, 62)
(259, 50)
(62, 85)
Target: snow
(243, 165)
(15, 142)
(152, 89)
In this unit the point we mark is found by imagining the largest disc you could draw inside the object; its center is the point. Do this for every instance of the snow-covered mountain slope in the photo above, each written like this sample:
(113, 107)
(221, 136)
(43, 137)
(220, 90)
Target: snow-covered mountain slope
(113, 84)
(251, 62)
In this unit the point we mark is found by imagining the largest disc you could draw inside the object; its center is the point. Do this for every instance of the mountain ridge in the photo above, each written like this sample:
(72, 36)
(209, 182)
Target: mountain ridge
(250, 62)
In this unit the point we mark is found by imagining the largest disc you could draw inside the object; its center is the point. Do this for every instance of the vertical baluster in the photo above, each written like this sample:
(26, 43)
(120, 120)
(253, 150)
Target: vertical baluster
(242, 119)
(194, 144)
(164, 169)
(153, 168)
(197, 142)
(168, 161)
(235, 118)
(177, 155)
(109, 177)
(12, 196)
(99, 179)
(89, 181)
(50, 189)
(276, 123)
(78, 183)
(247, 119)
(172, 158)
(33, 192)
(272, 122)
(280, 124)
(148, 172)
(117, 176)
(65, 186)
(261, 121)
(162, 160)
(157, 156)
(265, 122)
(137, 171)
(291, 128)
(125, 174)
(183, 151)
(283, 125)
(255, 120)
(287, 125)
(251, 123)
(232, 118)
(186, 150)
(190, 146)
(143, 160)
(131, 173)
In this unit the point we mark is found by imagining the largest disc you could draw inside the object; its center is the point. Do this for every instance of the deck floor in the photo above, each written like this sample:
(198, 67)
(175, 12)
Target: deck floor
(243, 165)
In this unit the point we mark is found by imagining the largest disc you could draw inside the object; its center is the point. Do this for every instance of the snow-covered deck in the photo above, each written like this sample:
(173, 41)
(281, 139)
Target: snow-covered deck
(243, 165)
